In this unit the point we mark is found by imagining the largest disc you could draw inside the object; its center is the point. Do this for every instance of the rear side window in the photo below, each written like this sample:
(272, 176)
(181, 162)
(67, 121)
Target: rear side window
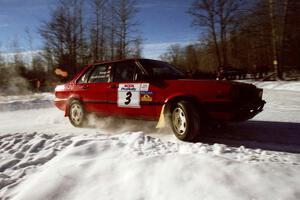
(163, 70)
(125, 72)
(101, 74)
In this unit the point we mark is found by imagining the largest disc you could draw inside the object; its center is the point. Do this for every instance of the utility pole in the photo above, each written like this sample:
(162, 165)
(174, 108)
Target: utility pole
(274, 39)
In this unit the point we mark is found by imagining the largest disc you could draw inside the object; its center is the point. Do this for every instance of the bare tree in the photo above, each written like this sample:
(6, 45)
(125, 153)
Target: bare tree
(64, 36)
(174, 55)
(249, 37)
(99, 29)
(291, 39)
(219, 17)
(191, 57)
(136, 50)
(125, 26)
(111, 31)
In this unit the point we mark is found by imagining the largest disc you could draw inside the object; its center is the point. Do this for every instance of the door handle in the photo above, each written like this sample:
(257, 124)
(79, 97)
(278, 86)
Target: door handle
(84, 87)
(113, 86)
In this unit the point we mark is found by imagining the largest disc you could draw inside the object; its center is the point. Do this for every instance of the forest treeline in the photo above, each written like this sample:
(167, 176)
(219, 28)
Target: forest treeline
(78, 33)
(249, 36)
(259, 36)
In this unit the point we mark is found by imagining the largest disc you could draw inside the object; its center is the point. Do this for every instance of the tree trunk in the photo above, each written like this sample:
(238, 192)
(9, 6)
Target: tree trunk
(274, 39)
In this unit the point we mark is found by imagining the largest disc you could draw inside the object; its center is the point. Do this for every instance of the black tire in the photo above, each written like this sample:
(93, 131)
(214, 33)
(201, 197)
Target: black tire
(185, 120)
(76, 113)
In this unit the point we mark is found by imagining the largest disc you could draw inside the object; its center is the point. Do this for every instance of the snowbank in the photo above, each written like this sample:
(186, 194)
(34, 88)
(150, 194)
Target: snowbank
(25, 102)
(277, 85)
(22, 153)
(134, 166)
(43, 157)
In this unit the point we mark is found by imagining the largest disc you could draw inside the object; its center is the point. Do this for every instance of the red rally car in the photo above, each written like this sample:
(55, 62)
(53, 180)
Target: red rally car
(155, 90)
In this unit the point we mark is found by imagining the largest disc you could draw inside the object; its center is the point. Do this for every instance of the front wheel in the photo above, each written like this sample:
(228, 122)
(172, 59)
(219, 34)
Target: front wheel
(185, 121)
(76, 113)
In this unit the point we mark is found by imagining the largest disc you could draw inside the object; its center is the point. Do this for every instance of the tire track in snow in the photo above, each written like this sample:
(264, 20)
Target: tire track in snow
(21, 154)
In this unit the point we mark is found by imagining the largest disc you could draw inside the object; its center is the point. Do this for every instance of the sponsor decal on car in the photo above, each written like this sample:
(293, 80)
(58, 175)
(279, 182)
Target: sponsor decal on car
(129, 87)
(144, 87)
(146, 98)
(129, 95)
(147, 92)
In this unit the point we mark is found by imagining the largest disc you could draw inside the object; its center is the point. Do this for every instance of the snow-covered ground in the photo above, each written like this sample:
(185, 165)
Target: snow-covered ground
(43, 157)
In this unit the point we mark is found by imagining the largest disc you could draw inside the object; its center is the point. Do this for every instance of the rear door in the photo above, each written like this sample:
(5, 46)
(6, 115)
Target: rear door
(131, 97)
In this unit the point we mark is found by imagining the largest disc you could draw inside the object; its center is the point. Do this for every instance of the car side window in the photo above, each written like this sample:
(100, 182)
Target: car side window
(101, 73)
(125, 72)
(85, 76)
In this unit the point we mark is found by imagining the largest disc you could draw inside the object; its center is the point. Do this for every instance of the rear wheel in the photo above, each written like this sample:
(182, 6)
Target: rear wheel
(185, 120)
(76, 113)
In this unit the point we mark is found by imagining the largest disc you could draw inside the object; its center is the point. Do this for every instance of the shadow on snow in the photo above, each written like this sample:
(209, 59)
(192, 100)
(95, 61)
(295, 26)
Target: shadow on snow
(274, 136)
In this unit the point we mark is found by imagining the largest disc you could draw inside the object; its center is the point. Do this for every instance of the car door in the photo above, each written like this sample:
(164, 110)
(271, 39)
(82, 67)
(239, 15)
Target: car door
(131, 97)
(93, 87)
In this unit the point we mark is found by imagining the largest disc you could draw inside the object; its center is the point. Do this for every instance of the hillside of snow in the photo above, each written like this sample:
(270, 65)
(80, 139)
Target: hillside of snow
(43, 157)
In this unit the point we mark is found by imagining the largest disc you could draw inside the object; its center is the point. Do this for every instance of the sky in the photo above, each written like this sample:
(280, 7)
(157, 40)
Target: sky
(161, 24)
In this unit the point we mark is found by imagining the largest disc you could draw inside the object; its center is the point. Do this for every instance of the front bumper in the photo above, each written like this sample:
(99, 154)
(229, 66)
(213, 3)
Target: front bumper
(248, 111)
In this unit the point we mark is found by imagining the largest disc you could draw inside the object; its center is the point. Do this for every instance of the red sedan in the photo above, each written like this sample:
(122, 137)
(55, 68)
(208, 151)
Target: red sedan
(155, 90)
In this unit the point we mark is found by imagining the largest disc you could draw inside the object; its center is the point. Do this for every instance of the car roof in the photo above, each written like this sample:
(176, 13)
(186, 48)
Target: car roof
(122, 60)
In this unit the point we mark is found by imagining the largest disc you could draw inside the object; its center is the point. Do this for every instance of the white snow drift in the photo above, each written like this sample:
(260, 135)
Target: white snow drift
(43, 157)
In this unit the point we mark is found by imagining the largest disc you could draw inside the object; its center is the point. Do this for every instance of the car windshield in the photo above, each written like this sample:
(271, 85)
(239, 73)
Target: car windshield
(161, 70)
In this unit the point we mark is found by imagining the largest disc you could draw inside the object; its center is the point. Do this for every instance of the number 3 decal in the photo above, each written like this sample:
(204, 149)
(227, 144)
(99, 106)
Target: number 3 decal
(128, 98)
(129, 95)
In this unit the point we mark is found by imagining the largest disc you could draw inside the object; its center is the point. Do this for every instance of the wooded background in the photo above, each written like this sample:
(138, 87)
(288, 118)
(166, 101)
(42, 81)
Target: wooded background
(252, 37)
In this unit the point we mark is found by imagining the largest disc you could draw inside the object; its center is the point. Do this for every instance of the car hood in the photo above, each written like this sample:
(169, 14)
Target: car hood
(199, 83)
(208, 88)
(224, 83)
